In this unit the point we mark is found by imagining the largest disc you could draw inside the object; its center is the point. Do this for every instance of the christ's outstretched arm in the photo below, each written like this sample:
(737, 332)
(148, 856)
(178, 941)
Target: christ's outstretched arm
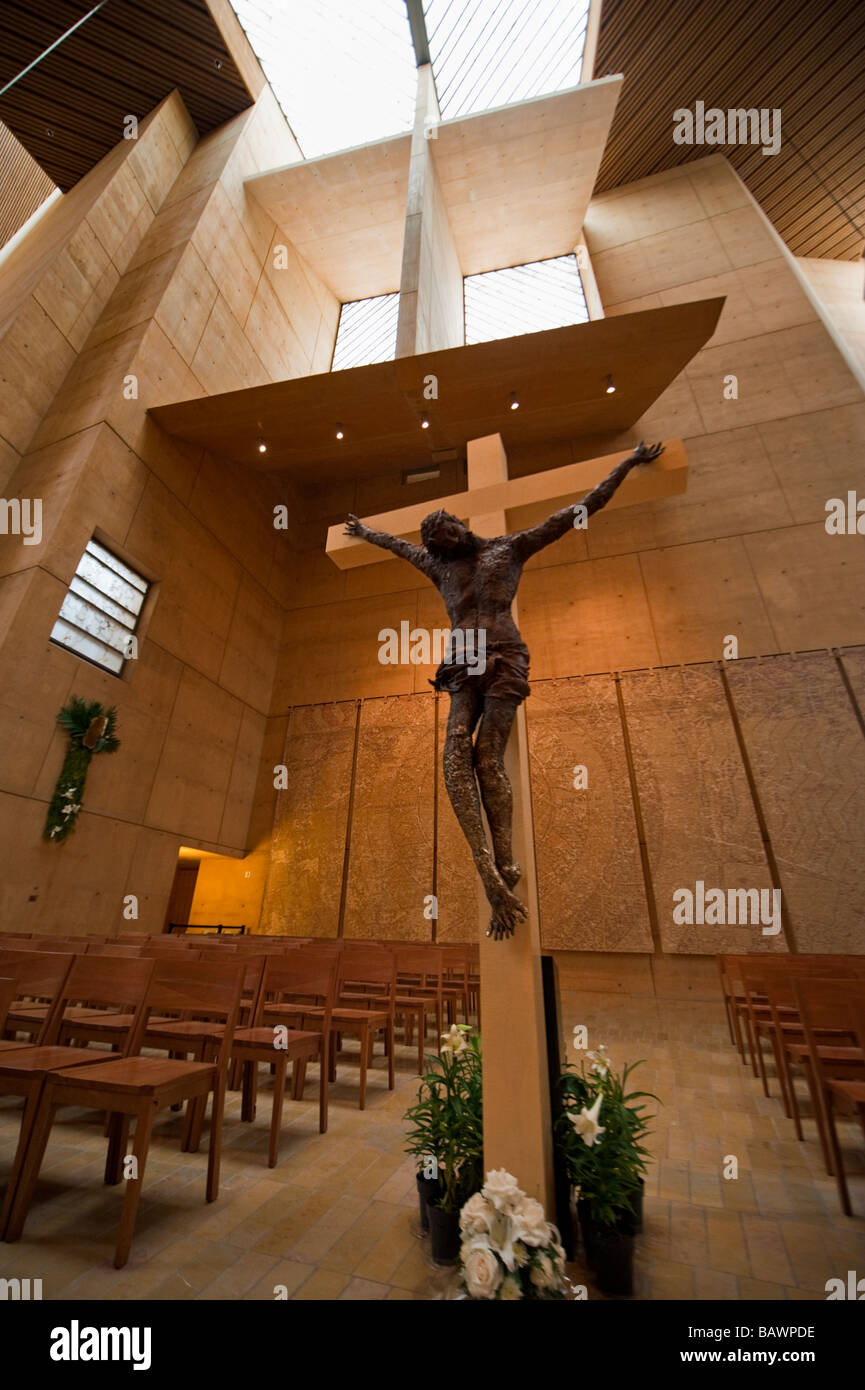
(415, 554)
(526, 543)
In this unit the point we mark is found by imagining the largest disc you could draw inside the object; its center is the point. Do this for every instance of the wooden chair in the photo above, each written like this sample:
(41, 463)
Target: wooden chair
(39, 975)
(139, 1087)
(419, 992)
(310, 980)
(8, 991)
(829, 1008)
(103, 981)
(455, 983)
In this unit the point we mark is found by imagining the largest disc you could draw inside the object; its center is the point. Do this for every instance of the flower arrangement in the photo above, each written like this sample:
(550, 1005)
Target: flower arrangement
(91, 730)
(600, 1133)
(446, 1134)
(509, 1250)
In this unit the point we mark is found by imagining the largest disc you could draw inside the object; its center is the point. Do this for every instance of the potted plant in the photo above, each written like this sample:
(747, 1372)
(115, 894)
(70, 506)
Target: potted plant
(600, 1132)
(509, 1250)
(446, 1137)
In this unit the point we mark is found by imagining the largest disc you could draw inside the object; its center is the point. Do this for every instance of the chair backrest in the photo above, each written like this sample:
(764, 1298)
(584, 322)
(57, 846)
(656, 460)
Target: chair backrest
(300, 975)
(825, 1002)
(38, 975)
(8, 991)
(108, 982)
(370, 966)
(113, 948)
(209, 989)
(160, 952)
(421, 967)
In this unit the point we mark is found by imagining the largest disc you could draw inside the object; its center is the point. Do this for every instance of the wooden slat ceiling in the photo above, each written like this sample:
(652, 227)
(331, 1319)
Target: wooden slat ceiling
(25, 185)
(805, 58)
(559, 377)
(68, 112)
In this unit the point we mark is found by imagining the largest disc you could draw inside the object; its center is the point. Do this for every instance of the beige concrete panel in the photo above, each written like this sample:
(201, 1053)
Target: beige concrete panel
(456, 879)
(790, 372)
(745, 236)
(34, 358)
(345, 214)
(807, 753)
(172, 228)
(225, 249)
(698, 595)
(236, 509)
(207, 162)
(244, 774)
(267, 136)
(590, 879)
(185, 306)
(162, 375)
(732, 489)
(225, 360)
(151, 874)
(50, 476)
(173, 462)
(92, 388)
(272, 336)
(760, 298)
(106, 497)
(249, 663)
(154, 157)
(390, 868)
(629, 214)
(659, 262)
(717, 185)
(47, 888)
(813, 585)
(81, 274)
(698, 816)
(192, 783)
(264, 801)
(121, 217)
(198, 581)
(303, 578)
(816, 457)
(119, 784)
(516, 181)
(331, 652)
(299, 292)
(136, 298)
(632, 306)
(305, 883)
(9, 460)
(37, 677)
(585, 618)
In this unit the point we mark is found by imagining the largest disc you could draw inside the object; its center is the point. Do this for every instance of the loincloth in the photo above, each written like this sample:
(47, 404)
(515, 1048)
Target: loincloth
(504, 677)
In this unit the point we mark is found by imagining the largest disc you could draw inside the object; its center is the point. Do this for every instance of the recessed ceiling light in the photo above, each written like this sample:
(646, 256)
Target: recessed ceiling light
(611, 385)
(262, 447)
(515, 405)
(340, 433)
(424, 424)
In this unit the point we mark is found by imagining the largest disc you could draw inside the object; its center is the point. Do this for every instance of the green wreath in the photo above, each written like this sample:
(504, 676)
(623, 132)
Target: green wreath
(91, 730)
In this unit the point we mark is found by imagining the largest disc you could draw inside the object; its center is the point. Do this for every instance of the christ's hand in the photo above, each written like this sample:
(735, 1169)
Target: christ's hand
(355, 528)
(644, 453)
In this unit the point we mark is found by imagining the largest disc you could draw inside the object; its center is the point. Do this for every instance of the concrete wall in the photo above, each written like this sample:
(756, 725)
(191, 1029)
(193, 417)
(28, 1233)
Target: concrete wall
(157, 268)
(840, 289)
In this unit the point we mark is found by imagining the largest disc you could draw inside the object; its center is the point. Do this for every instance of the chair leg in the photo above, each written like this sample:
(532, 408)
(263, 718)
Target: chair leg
(762, 1062)
(22, 1157)
(421, 1040)
(117, 1130)
(214, 1147)
(23, 1194)
(838, 1161)
(364, 1051)
(388, 1042)
(322, 1086)
(280, 1069)
(299, 1078)
(814, 1084)
(140, 1146)
(250, 1091)
(794, 1103)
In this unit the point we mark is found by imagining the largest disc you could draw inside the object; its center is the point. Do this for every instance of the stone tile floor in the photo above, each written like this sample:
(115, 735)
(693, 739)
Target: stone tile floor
(337, 1218)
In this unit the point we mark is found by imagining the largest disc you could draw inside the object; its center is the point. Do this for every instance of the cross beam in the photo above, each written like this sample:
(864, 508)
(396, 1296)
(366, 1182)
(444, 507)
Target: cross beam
(524, 500)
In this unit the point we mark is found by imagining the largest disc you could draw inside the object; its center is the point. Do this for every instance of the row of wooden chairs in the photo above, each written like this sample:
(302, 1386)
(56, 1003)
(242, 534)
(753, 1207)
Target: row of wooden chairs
(810, 1010)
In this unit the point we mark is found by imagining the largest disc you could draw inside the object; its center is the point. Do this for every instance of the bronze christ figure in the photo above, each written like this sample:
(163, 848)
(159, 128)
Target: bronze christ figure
(478, 579)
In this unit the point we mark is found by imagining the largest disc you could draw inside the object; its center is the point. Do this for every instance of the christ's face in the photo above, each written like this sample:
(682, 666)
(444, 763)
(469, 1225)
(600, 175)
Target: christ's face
(447, 536)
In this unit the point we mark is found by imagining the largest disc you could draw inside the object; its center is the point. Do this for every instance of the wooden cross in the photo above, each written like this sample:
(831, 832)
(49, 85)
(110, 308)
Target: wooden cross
(517, 1128)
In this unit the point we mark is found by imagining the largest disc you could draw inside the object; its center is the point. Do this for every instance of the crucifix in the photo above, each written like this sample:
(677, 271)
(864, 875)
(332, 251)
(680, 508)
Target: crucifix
(477, 569)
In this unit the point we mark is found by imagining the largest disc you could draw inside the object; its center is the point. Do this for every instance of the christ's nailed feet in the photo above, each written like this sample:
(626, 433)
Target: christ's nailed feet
(507, 912)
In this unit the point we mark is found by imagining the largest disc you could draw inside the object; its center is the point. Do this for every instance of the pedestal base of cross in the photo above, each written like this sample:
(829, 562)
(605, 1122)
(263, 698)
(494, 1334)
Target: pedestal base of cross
(517, 1123)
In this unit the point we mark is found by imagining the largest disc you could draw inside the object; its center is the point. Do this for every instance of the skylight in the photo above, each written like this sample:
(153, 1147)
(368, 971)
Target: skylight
(343, 72)
(487, 53)
(524, 299)
(367, 332)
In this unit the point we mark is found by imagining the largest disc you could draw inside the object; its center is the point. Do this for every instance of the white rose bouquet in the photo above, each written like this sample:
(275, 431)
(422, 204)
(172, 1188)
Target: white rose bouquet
(509, 1250)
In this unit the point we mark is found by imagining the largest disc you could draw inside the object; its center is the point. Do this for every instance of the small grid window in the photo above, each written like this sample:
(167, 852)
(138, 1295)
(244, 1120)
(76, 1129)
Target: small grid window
(367, 332)
(101, 610)
(524, 299)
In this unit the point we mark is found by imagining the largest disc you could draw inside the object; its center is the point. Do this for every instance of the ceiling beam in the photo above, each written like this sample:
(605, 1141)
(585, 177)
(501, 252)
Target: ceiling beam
(417, 24)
